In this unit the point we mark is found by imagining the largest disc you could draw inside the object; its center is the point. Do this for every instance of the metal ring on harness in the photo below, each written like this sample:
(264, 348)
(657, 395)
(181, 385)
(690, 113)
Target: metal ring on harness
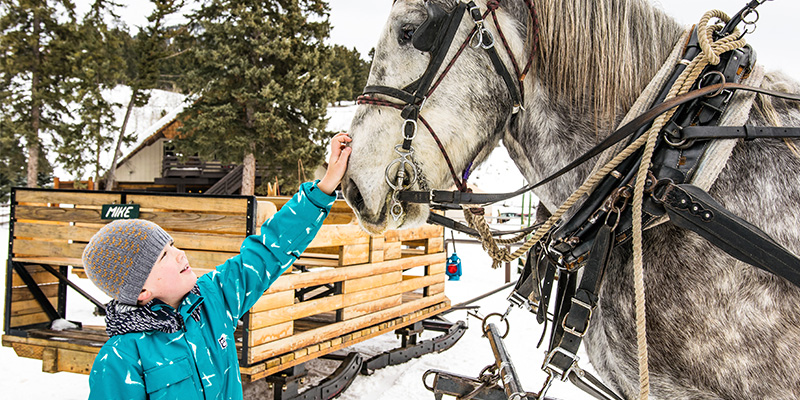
(679, 144)
(502, 318)
(413, 124)
(721, 87)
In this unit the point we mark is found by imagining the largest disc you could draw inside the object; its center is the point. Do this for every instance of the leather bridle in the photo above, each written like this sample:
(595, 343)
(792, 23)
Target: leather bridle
(436, 36)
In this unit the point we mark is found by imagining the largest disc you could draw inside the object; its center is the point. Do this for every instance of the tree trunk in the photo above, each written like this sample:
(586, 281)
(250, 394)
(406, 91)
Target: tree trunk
(36, 109)
(97, 166)
(249, 175)
(111, 176)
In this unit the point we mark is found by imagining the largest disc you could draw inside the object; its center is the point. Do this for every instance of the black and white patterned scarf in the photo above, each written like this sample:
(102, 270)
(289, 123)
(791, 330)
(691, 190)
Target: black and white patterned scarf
(155, 315)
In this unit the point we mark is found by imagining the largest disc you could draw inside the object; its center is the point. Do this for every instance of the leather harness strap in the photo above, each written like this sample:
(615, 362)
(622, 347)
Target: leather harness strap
(453, 197)
(739, 132)
(691, 208)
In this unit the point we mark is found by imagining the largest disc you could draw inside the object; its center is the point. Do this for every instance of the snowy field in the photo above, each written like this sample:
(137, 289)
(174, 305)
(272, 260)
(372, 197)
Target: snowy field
(22, 377)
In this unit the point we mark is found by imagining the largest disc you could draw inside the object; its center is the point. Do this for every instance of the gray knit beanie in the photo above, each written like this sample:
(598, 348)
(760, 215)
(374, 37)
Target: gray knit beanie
(119, 257)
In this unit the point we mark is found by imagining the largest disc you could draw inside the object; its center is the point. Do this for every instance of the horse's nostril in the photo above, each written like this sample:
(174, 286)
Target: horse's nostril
(354, 195)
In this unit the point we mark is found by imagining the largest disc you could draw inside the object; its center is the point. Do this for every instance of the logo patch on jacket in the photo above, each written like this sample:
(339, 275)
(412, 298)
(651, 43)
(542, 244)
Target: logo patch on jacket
(223, 341)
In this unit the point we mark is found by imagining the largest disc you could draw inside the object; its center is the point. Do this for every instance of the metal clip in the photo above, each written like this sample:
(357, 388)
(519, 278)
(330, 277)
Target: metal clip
(484, 37)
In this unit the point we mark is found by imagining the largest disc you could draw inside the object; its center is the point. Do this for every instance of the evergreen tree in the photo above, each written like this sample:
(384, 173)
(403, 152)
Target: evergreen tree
(35, 36)
(258, 71)
(350, 71)
(150, 49)
(98, 66)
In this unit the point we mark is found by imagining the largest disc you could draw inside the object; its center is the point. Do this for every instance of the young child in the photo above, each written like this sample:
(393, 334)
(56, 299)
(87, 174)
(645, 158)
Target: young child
(171, 334)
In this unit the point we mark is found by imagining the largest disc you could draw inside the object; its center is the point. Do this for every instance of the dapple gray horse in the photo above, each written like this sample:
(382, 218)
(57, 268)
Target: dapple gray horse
(717, 328)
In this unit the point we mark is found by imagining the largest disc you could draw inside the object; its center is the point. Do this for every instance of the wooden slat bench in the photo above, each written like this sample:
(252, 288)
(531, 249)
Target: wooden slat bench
(347, 287)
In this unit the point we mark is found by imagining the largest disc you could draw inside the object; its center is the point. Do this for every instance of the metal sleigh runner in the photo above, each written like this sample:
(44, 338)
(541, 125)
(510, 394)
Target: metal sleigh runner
(660, 193)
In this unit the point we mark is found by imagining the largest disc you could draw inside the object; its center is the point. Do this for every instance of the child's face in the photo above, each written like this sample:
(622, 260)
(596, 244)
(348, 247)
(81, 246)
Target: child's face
(171, 277)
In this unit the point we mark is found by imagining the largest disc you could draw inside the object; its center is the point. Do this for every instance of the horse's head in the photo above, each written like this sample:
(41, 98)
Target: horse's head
(468, 111)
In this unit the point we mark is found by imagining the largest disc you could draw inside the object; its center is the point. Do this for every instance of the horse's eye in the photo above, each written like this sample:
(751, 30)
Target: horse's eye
(406, 34)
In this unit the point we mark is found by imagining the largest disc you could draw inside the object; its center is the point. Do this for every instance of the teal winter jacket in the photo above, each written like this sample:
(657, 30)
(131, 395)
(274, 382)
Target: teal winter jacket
(200, 361)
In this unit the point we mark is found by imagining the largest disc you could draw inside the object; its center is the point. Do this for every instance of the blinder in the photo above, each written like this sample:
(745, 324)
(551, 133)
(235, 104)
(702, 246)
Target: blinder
(428, 36)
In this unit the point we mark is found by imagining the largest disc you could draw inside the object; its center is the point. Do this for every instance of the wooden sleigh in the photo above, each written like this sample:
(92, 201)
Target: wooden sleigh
(347, 287)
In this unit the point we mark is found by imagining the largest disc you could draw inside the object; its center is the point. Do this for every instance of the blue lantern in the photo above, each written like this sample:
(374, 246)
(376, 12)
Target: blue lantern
(453, 267)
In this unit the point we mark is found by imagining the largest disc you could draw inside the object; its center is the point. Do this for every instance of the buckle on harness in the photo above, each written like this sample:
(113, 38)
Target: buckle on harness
(549, 367)
(574, 331)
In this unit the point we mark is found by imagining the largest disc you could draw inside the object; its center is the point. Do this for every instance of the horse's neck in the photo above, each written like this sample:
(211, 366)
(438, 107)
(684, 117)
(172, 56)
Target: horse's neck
(545, 139)
(561, 121)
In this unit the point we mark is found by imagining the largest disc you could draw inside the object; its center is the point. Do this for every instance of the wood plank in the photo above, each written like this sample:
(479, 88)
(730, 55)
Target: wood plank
(338, 235)
(78, 362)
(297, 341)
(273, 301)
(435, 269)
(26, 307)
(94, 347)
(436, 289)
(26, 350)
(376, 244)
(196, 222)
(191, 203)
(91, 335)
(23, 248)
(435, 245)
(270, 333)
(50, 360)
(42, 278)
(23, 294)
(354, 254)
(407, 285)
(207, 259)
(297, 311)
(208, 241)
(264, 211)
(335, 302)
(91, 216)
(317, 262)
(272, 366)
(339, 206)
(371, 307)
(30, 319)
(370, 282)
(63, 231)
(336, 218)
(178, 221)
(423, 232)
(50, 260)
(61, 197)
(297, 281)
(392, 250)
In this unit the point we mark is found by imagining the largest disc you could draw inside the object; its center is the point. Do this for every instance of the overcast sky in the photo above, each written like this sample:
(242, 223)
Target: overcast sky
(358, 23)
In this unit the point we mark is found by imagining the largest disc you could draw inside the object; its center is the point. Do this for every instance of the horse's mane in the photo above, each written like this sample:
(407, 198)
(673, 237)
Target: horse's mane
(587, 53)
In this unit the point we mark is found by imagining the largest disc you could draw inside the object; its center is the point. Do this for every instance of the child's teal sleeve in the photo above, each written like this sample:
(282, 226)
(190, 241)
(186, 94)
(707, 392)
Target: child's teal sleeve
(263, 258)
(116, 375)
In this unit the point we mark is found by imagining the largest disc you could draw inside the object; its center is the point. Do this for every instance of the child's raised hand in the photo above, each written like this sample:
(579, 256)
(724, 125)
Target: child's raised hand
(337, 164)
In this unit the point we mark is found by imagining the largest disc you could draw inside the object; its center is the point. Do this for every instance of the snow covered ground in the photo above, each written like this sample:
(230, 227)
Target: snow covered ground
(22, 377)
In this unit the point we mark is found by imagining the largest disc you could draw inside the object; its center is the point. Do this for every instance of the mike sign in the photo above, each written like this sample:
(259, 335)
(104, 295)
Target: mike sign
(119, 211)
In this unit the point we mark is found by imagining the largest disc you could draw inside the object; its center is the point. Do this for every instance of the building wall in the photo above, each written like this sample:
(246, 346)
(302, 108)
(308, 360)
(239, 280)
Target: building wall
(144, 166)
